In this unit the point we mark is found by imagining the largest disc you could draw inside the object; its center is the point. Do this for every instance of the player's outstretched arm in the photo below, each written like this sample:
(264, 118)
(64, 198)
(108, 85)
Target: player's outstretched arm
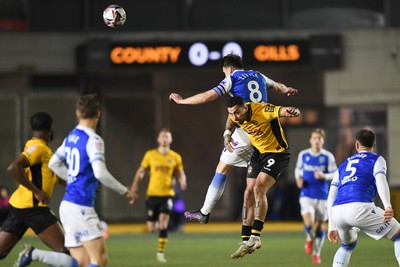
(283, 89)
(105, 177)
(201, 98)
(289, 112)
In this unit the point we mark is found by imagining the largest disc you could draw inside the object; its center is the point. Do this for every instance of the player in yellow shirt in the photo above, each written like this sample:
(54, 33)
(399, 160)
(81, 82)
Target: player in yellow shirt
(163, 163)
(29, 203)
(270, 157)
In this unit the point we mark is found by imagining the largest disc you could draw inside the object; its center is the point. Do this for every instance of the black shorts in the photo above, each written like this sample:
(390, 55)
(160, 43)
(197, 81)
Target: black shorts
(157, 205)
(37, 218)
(273, 164)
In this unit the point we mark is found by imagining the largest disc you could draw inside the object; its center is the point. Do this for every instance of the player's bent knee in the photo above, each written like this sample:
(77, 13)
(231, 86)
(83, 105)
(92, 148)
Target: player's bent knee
(349, 247)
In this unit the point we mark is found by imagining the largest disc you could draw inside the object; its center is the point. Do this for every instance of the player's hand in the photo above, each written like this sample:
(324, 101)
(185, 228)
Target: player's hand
(318, 174)
(291, 91)
(42, 197)
(292, 112)
(176, 97)
(300, 182)
(229, 143)
(333, 236)
(388, 215)
(183, 185)
(132, 196)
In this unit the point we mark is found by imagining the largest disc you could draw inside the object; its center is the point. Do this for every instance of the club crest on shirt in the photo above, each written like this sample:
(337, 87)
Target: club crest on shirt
(99, 146)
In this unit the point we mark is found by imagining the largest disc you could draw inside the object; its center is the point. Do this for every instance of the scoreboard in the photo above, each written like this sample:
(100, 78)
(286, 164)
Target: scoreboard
(319, 51)
(198, 54)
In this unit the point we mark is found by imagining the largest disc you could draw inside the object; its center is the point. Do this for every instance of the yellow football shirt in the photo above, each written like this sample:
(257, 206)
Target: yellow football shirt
(38, 155)
(264, 128)
(162, 168)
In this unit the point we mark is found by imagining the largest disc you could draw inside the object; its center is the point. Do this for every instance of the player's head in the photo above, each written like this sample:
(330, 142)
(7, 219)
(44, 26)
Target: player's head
(230, 63)
(88, 107)
(41, 124)
(317, 139)
(164, 138)
(41, 121)
(237, 109)
(365, 139)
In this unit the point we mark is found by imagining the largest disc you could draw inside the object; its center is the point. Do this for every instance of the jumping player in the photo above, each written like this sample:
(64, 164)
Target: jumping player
(252, 86)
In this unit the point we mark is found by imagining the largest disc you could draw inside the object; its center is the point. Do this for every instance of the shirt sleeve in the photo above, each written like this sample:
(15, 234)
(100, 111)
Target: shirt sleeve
(95, 149)
(105, 177)
(298, 171)
(224, 86)
(34, 154)
(60, 152)
(146, 160)
(331, 198)
(332, 167)
(269, 111)
(179, 163)
(381, 181)
(57, 162)
(269, 82)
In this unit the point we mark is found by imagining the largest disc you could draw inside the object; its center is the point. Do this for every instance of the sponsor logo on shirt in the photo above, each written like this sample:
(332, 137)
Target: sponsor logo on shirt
(350, 179)
(73, 138)
(31, 149)
(269, 108)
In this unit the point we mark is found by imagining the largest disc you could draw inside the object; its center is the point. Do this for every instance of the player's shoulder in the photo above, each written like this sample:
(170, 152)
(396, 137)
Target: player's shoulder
(35, 145)
(90, 133)
(265, 106)
(326, 152)
(152, 151)
(306, 151)
(174, 153)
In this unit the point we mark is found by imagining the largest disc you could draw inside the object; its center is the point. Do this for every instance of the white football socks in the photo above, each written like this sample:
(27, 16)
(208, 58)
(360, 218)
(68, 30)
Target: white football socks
(214, 193)
(342, 258)
(52, 258)
(319, 242)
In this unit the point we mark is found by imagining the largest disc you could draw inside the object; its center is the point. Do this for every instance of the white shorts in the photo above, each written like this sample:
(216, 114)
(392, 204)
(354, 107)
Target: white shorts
(81, 224)
(352, 217)
(240, 157)
(317, 208)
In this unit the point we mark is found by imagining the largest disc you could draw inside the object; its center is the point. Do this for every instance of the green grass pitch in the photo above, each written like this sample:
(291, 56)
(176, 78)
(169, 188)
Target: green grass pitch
(213, 250)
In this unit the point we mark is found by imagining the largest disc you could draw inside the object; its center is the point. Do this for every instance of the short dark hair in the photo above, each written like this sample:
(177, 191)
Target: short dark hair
(365, 137)
(236, 100)
(41, 121)
(231, 60)
(88, 106)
